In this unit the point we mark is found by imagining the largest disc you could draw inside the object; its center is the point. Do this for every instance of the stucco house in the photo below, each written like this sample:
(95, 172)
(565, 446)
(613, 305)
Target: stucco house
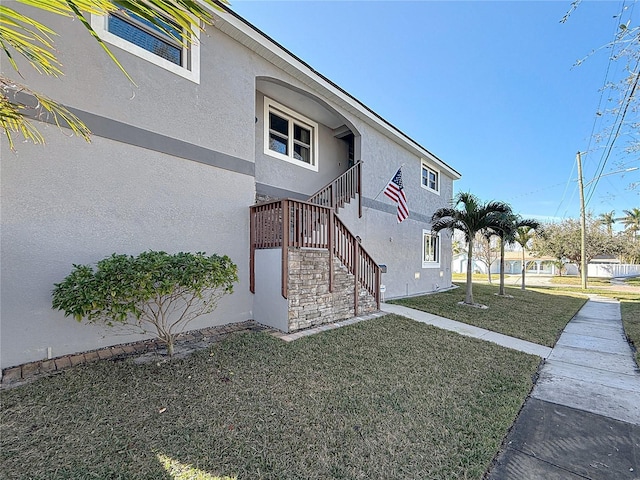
(234, 146)
(541, 265)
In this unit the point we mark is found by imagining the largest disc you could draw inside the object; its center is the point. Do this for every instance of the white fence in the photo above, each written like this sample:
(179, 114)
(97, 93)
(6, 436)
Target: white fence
(612, 270)
(602, 270)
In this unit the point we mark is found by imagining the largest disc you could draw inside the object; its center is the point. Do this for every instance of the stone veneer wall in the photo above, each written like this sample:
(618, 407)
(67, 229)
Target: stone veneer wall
(310, 302)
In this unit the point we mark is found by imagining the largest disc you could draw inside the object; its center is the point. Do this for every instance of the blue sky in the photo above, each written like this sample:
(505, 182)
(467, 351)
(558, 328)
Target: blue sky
(490, 87)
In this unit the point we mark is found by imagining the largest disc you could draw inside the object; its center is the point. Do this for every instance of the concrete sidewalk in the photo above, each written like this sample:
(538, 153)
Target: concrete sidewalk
(468, 330)
(582, 419)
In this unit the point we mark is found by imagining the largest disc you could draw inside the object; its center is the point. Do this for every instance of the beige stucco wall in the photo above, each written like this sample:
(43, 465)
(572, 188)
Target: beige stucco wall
(71, 202)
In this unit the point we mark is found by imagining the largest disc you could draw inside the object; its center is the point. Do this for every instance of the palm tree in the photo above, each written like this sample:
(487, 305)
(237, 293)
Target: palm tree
(523, 235)
(607, 219)
(470, 216)
(507, 230)
(631, 221)
(20, 35)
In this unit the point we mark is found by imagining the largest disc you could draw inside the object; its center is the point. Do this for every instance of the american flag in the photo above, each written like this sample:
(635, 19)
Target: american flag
(395, 191)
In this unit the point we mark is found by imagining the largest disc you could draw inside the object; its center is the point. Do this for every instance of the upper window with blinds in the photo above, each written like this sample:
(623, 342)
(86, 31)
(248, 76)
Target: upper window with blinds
(160, 46)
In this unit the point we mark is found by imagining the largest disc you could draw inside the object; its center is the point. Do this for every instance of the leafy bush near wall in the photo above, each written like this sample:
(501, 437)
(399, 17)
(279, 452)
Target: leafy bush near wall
(153, 293)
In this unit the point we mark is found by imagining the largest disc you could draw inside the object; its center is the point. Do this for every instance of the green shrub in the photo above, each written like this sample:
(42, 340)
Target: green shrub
(153, 293)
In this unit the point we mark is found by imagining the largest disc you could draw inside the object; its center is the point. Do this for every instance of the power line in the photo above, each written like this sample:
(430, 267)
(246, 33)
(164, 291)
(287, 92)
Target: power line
(574, 5)
(613, 141)
(620, 116)
(604, 81)
(566, 187)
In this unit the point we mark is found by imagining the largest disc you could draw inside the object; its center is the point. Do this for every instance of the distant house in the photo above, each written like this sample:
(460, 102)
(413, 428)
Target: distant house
(540, 265)
(234, 146)
(602, 266)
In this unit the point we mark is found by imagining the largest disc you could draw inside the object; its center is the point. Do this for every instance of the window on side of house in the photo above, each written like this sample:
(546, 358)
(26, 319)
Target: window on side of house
(430, 249)
(430, 178)
(142, 38)
(289, 136)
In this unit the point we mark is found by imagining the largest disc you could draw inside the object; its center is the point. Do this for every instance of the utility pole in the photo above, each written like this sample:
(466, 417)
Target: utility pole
(583, 221)
(583, 226)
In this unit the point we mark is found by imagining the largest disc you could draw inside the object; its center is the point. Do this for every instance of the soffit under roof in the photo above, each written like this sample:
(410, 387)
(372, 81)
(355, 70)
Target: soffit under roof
(300, 102)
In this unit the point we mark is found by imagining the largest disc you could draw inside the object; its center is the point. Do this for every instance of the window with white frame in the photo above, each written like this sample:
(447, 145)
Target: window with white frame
(142, 38)
(290, 136)
(430, 178)
(430, 249)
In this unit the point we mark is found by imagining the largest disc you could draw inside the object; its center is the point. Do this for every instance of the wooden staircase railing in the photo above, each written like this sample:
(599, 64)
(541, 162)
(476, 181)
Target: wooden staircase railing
(342, 190)
(347, 248)
(293, 223)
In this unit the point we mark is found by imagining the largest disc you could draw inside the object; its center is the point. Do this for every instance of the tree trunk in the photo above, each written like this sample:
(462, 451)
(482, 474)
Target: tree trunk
(524, 268)
(501, 291)
(469, 294)
(170, 346)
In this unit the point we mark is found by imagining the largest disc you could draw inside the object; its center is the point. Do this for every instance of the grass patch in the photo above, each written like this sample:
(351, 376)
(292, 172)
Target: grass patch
(635, 281)
(387, 398)
(479, 277)
(630, 310)
(620, 294)
(533, 315)
(573, 280)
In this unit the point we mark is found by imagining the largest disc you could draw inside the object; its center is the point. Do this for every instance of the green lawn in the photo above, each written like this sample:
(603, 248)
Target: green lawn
(630, 310)
(635, 281)
(387, 398)
(479, 277)
(573, 280)
(538, 314)
(532, 315)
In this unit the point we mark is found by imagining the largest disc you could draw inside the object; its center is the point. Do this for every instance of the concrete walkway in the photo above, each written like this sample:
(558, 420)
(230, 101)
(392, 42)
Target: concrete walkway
(582, 419)
(468, 330)
(290, 337)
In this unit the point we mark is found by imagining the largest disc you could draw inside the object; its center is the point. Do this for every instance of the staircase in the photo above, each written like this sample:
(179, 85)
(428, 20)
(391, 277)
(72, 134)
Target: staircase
(342, 190)
(303, 231)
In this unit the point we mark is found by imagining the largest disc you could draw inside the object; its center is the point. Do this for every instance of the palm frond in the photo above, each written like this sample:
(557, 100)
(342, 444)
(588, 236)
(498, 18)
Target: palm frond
(13, 121)
(20, 35)
(28, 38)
(444, 224)
(499, 207)
(15, 114)
(443, 213)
